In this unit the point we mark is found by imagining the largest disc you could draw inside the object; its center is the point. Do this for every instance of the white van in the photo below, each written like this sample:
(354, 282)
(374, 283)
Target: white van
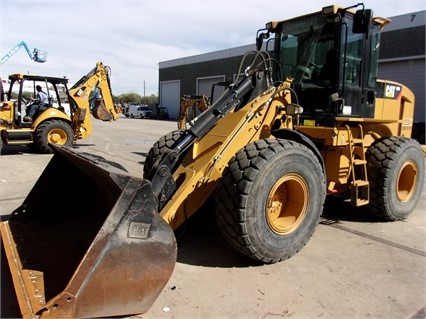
(139, 111)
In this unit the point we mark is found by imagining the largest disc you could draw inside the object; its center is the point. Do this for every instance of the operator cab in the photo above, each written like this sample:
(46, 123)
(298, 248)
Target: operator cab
(332, 57)
(22, 92)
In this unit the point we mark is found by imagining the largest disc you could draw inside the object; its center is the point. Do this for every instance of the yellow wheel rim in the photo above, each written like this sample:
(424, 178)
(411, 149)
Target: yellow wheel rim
(287, 204)
(57, 136)
(406, 181)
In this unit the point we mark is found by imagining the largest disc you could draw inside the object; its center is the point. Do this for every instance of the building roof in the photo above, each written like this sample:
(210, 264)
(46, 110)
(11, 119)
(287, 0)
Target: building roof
(215, 55)
(405, 21)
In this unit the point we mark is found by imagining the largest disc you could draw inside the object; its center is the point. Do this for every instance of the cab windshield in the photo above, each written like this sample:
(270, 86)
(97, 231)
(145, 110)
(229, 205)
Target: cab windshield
(302, 46)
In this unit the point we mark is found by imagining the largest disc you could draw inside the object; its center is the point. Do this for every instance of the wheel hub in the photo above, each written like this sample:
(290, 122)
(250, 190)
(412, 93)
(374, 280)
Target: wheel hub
(406, 181)
(287, 204)
(57, 137)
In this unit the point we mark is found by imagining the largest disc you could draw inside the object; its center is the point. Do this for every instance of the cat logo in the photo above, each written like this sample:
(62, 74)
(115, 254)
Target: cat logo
(407, 122)
(392, 91)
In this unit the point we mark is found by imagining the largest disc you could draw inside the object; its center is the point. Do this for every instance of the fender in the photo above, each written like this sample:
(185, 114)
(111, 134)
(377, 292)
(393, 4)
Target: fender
(301, 138)
(49, 114)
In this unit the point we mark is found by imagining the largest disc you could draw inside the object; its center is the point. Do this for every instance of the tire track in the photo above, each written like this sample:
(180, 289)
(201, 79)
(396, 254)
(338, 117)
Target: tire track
(335, 224)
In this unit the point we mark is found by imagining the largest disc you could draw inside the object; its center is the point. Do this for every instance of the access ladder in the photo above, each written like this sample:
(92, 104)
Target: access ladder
(359, 187)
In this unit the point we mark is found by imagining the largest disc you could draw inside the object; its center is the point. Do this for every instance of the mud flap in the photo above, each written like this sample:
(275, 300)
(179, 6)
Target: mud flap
(88, 242)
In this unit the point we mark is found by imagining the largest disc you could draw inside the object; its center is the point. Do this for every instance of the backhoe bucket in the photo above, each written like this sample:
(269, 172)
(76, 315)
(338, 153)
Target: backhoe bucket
(88, 242)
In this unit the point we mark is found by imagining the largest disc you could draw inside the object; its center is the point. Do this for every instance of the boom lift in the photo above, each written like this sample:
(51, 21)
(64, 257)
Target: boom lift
(37, 55)
(268, 151)
(54, 125)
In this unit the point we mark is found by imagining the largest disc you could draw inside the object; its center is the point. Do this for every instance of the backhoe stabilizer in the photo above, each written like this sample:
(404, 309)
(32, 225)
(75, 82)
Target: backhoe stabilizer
(105, 252)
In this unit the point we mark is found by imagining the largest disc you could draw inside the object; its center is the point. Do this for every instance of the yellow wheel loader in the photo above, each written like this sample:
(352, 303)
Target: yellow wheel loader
(268, 151)
(65, 118)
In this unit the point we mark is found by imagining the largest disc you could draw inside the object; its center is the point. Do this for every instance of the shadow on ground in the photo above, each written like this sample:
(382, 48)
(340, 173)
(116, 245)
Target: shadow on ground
(338, 209)
(200, 243)
(16, 150)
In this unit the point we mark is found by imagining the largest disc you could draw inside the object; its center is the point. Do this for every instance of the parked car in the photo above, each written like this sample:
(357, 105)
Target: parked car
(162, 113)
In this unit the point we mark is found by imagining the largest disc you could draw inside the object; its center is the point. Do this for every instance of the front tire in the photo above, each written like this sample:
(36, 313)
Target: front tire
(54, 132)
(270, 199)
(164, 144)
(396, 171)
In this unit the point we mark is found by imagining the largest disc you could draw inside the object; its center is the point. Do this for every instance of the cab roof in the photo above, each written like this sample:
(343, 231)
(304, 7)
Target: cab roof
(30, 77)
(328, 10)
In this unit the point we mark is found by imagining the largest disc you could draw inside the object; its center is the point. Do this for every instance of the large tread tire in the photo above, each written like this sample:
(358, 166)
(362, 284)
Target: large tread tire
(270, 199)
(164, 144)
(396, 169)
(54, 132)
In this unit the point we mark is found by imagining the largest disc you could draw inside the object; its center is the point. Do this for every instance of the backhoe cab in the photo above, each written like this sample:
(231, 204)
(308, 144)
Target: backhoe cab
(267, 152)
(65, 119)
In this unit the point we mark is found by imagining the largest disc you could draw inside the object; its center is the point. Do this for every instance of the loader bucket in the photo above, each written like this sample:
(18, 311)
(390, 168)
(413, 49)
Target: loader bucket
(87, 242)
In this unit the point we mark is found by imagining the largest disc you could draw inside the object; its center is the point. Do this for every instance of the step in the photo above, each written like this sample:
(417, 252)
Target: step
(360, 193)
(359, 162)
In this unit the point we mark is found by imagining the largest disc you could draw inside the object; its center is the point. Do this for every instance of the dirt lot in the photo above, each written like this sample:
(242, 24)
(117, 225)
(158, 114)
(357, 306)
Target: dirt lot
(353, 267)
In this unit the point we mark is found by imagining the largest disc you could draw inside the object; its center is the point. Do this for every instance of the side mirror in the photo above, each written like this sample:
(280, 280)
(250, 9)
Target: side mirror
(362, 20)
(259, 39)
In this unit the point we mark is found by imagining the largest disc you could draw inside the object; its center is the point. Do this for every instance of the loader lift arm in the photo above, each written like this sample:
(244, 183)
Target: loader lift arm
(256, 79)
(163, 183)
(37, 55)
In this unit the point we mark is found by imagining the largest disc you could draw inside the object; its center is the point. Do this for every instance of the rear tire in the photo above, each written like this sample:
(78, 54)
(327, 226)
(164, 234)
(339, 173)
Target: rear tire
(270, 199)
(396, 171)
(54, 132)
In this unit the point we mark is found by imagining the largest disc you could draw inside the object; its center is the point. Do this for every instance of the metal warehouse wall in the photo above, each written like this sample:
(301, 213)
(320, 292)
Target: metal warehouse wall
(410, 73)
(402, 56)
(188, 73)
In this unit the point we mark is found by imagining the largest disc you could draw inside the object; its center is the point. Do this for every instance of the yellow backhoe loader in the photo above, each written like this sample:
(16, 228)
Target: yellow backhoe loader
(189, 106)
(65, 118)
(192, 105)
(269, 150)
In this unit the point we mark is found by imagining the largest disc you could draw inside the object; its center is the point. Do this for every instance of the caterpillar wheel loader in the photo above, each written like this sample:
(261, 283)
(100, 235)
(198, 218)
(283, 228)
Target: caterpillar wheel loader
(68, 115)
(268, 151)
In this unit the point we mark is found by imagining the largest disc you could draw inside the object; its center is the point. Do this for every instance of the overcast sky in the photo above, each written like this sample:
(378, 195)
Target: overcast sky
(132, 37)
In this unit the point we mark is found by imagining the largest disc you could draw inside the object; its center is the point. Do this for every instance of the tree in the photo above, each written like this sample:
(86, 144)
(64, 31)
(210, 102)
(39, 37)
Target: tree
(134, 98)
(128, 98)
(150, 100)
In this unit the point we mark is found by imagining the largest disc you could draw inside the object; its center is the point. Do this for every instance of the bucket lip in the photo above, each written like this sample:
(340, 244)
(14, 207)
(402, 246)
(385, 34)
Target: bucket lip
(94, 159)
